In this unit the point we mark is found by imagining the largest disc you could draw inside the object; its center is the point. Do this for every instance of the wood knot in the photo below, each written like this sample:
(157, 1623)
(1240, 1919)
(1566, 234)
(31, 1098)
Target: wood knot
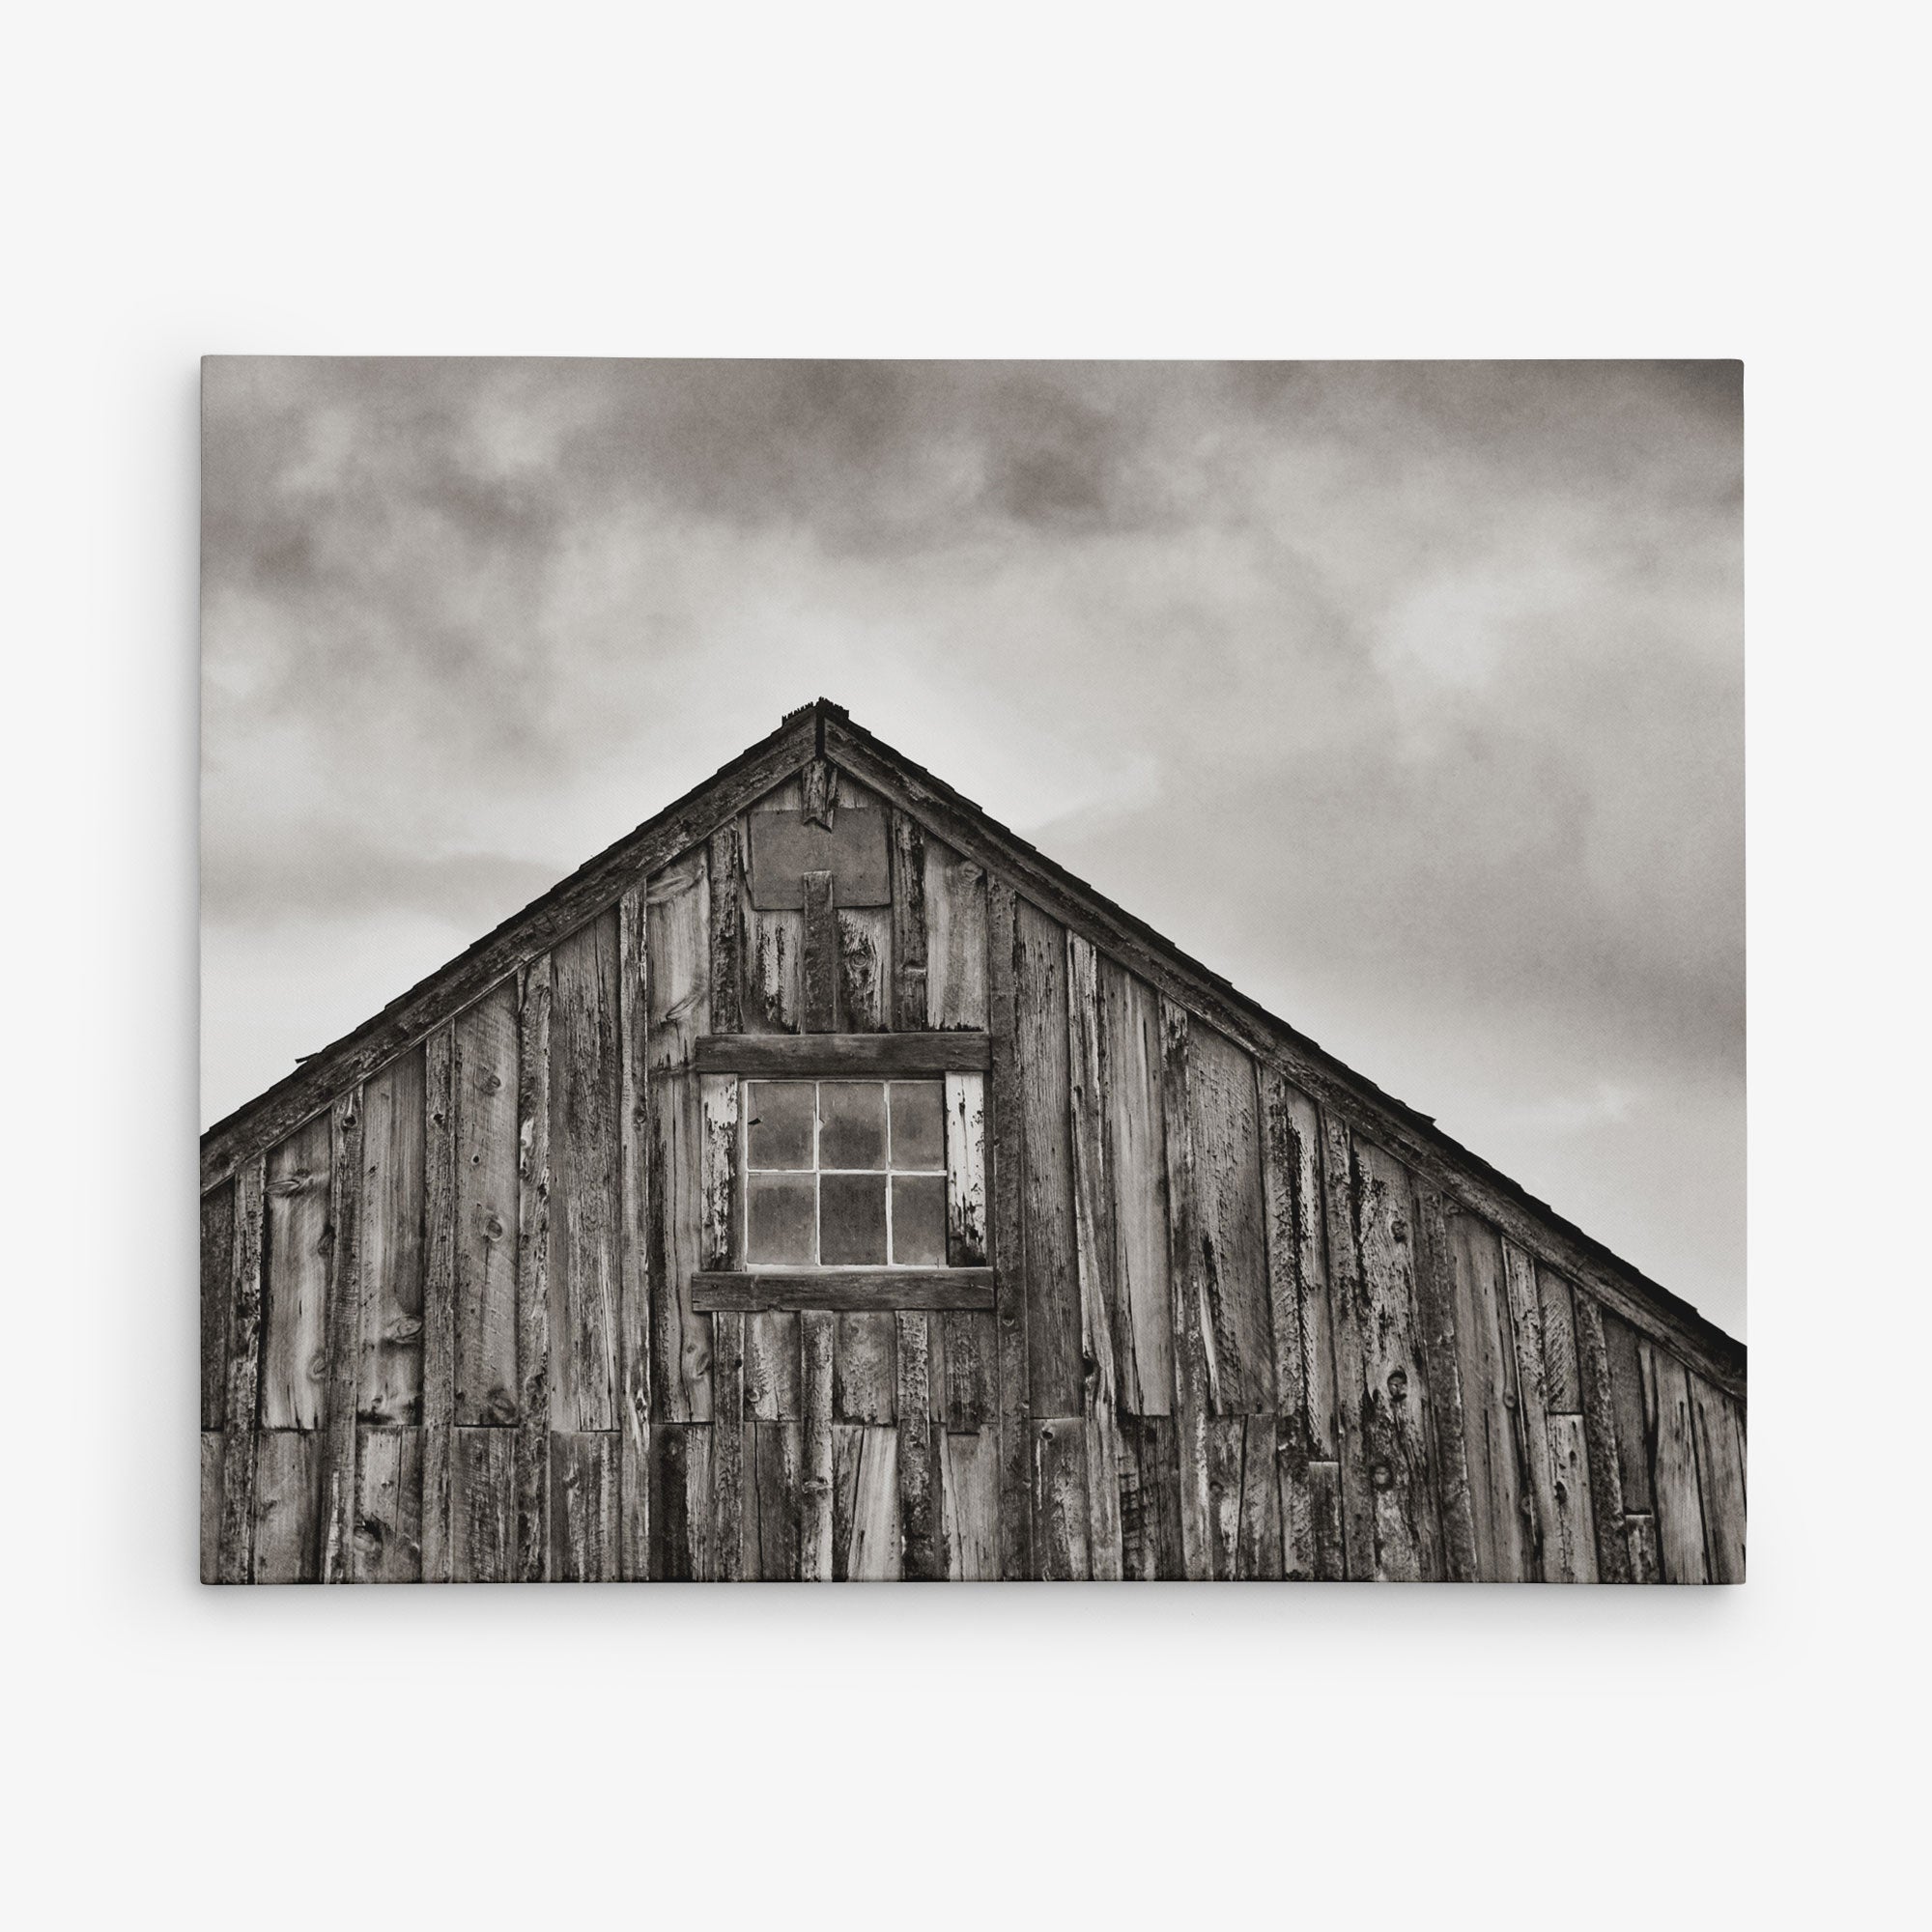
(1382, 1477)
(492, 1083)
(1398, 1385)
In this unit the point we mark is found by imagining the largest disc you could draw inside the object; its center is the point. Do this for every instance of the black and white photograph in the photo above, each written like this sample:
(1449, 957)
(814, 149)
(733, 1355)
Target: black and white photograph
(909, 1155)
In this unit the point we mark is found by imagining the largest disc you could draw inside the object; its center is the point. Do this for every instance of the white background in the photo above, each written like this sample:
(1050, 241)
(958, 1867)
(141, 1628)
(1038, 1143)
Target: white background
(1036, 180)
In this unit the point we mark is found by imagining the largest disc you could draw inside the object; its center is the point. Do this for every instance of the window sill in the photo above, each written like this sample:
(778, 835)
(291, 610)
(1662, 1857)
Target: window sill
(846, 1291)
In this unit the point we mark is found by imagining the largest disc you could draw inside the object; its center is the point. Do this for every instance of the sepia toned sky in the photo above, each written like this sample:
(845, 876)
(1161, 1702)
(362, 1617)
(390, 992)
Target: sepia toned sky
(1407, 696)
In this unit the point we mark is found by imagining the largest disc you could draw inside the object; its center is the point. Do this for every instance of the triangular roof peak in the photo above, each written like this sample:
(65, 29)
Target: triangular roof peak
(823, 729)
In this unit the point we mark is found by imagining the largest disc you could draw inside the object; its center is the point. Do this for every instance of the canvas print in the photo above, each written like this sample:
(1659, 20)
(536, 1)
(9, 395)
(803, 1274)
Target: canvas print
(905, 1153)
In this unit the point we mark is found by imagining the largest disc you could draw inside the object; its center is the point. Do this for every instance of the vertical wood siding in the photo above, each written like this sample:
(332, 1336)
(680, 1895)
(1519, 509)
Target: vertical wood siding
(446, 1328)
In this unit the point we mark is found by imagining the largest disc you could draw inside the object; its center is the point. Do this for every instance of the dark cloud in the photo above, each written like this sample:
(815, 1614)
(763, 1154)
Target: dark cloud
(1409, 694)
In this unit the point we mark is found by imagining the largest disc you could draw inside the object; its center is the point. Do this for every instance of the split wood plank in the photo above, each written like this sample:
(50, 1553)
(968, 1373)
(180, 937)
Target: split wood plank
(633, 1307)
(1059, 1502)
(386, 1546)
(243, 1361)
(866, 1504)
(908, 934)
(1005, 1166)
(1539, 1484)
(1106, 1535)
(1486, 1357)
(677, 936)
(1600, 1434)
(534, 1265)
(1230, 1228)
(1150, 1485)
(680, 1510)
(1350, 1307)
(1298, 1297)
(1718, 1427)
(483, 1505)
(583, 1275)
(438, 1299)
(217, 1261)
(584, 1507)
(922, 1542)
(390, 1386)
(289, 1506)
(1680, 1514)
(345, 1335)
(1397, 1419)
(969, 1485)
(484, 1084)
(1192, 1387)
(816, 1487)
(1436, 1319)
(295, 1355)
(1133, 1141)
(955, 940)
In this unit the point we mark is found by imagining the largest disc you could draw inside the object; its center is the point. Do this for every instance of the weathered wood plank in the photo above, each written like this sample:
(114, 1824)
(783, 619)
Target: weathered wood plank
(633, 1306)
(955, 940)
(821, 955)
(772, 973)
(1570, 1556)
(438, 1298)
(680, 1503)
(1718, 1431)
(1102, 1330)
(1680, 1511)
(1330, 1564)
(1149, 1485)
(773, 1360)
(584, 1528)
(386, 1546)
(1350, 1308)
(1230, 1228)
(534, 1388)
(865, 1292)
(1060, 1503)
(728, 901)
(1106, 1534)
(922, 1538)
(1397, 1420)
(214, 1443)
(1620, 1349)
(217, 1266)
(908, 934)
(1599, 1437)
(295, 1355)
(1054, 1367)
(966, 1169)
(865, 969)
(1005, 1166)
(865, 1364)
(728, 1447)
(866, 1504)
(1225, 1435)
(484, 1082)
(1192, 1390)
(242, 1356)
(583, 1275)
(289, 1506)
(774, 1481)
(1486, 1360)
(1436, 1321)
(1134, 1140)
(1641, 1539)
(969, 1485)
(1422, 1146)
(677, 917)
(1539, 1478)
(1258, 1544)
(389, 1382)
(815, 1528)
(829, 1055)
(345, 1334)
(968, 1394)
(1562, 1386)
(483, 1506)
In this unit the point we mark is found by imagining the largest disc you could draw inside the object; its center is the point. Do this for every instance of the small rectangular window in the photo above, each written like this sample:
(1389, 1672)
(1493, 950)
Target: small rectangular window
(844, 1173)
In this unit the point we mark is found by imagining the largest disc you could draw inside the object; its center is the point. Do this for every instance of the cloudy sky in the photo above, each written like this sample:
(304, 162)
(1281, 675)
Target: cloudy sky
(1409, 696)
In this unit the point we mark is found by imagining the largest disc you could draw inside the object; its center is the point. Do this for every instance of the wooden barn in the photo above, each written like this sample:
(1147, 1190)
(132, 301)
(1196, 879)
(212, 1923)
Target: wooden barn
(821, 1183)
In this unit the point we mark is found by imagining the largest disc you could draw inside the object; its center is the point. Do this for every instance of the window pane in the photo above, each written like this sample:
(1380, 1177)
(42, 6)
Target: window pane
(852, 1123)
(918, 1123)
(778, 1118)
(918, 1220)
(854, 1206)
(777, 1219)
